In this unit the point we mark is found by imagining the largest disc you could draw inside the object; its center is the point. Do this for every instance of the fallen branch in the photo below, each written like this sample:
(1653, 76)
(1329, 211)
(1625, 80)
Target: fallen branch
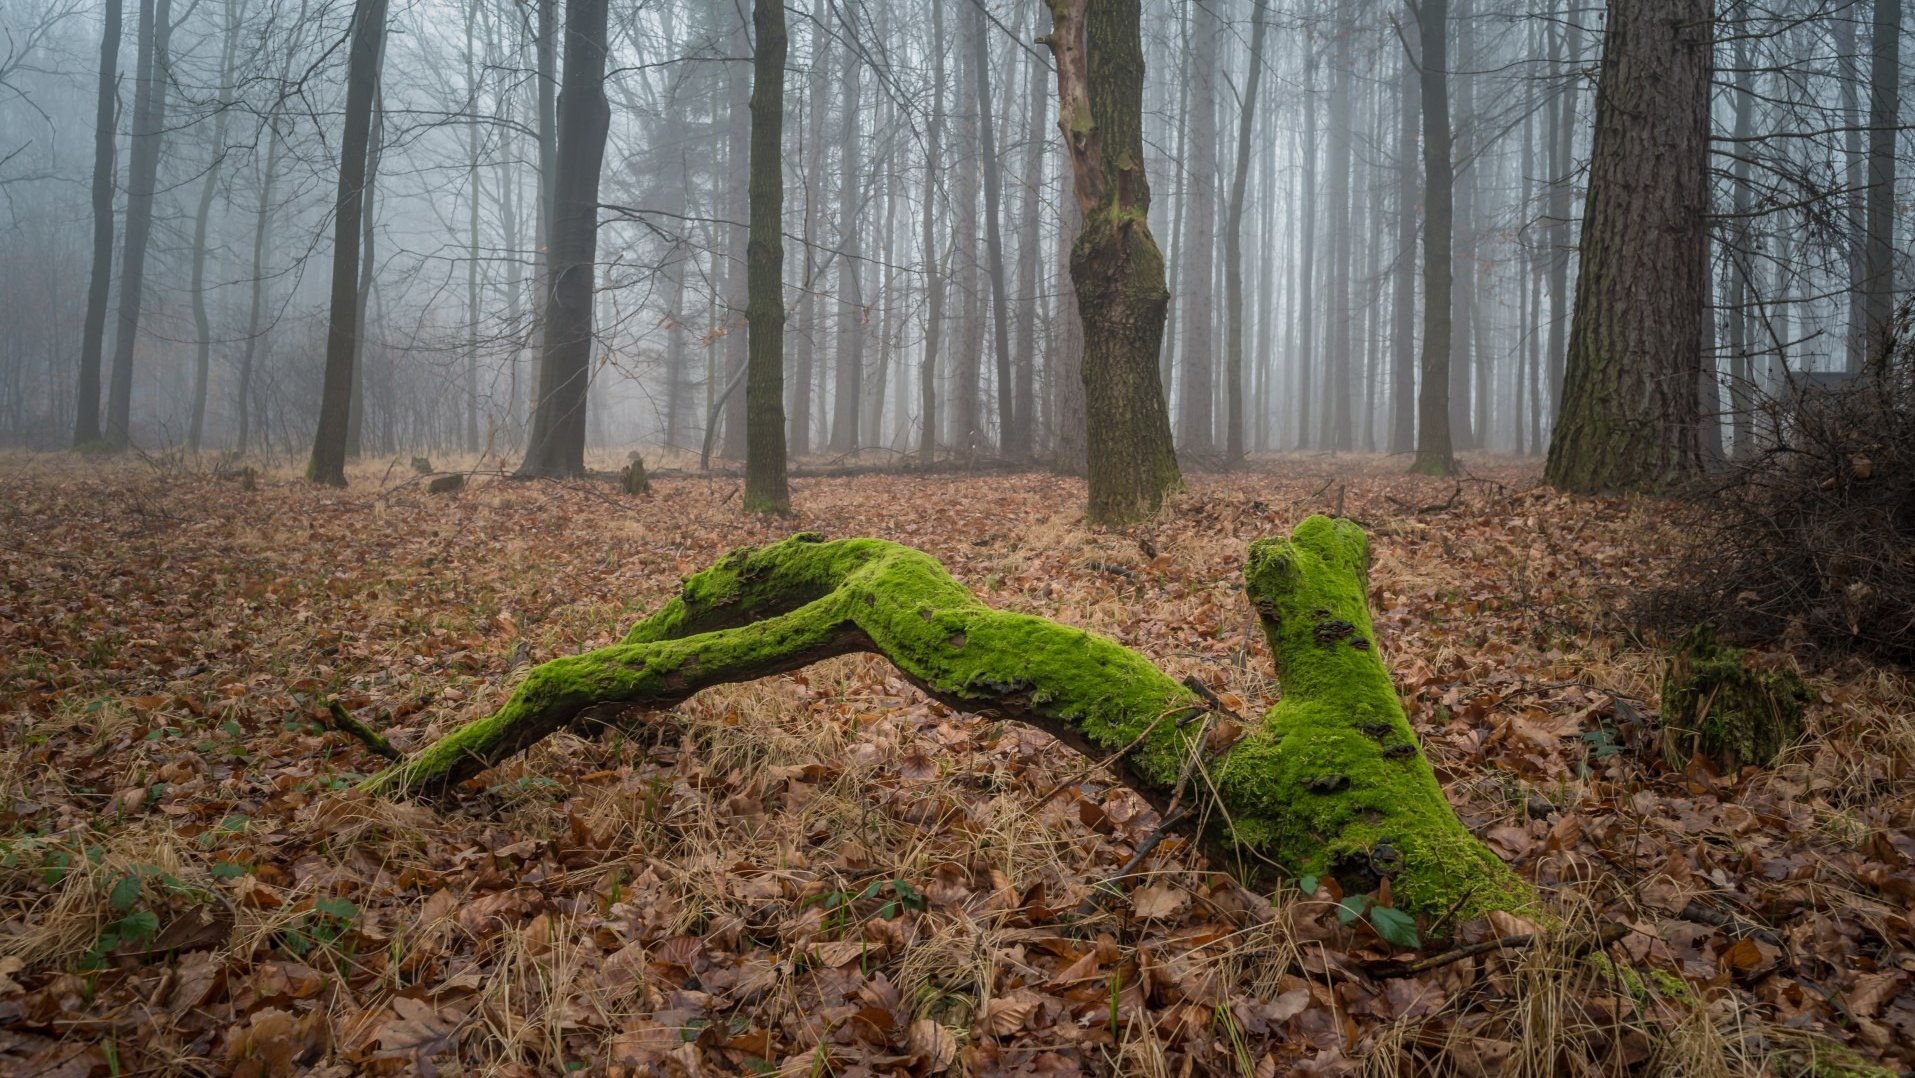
(343, 721)
(1329, 782)
(1607, 934)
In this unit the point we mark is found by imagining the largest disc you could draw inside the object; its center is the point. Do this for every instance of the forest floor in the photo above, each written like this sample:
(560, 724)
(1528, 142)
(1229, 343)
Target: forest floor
(827, 873)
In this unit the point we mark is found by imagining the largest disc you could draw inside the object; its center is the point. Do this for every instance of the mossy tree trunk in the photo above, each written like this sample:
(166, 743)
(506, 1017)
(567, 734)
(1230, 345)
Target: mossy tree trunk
(1331, 782)
(1116, 269)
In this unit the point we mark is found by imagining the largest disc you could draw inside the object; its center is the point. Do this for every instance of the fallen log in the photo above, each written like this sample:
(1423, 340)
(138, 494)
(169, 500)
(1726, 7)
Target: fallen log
(1330, 783)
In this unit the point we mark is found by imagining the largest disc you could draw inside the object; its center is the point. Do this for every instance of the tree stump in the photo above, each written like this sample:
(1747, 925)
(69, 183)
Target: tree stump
(1331, 782)
(1716, 706)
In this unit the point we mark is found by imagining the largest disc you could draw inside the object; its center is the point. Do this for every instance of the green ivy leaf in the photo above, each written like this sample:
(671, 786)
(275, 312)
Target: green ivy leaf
(1351, 908)
(1308, 885)
(138, 927)
(1395, 926)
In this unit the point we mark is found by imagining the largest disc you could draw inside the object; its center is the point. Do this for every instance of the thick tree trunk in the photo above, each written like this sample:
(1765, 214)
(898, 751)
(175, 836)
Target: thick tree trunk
(1629, 420)
(1116, 268)
(154, 76)
(368, 263)
(1884, 118)
(1433, 453)
(557, 443)
(1233, 246)
(328, 463)
(765, 487)
(86, 424)
(1330, 782)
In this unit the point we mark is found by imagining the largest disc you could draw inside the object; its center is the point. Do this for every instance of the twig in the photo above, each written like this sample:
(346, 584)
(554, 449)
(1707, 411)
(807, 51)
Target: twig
(1609, 933)
(343, 721)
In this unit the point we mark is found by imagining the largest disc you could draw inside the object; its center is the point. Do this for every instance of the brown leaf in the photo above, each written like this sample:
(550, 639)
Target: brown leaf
(417, 1028)
(1005, 1016)
(1159, 900)
(272, 1040)
(933, 1044)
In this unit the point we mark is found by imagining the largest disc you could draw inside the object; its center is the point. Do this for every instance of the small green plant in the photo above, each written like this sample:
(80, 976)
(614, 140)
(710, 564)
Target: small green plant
(322, 928)
(841, 906)
(1391, 924)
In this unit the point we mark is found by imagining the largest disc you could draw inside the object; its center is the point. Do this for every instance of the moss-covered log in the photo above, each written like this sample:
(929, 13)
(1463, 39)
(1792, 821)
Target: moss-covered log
(1331, 782)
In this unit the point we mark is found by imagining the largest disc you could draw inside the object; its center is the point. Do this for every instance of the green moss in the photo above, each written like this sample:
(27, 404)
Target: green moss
(1331, 781)
(1713, 703)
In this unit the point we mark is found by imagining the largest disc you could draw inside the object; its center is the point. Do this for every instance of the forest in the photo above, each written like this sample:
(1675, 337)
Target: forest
(916, 537)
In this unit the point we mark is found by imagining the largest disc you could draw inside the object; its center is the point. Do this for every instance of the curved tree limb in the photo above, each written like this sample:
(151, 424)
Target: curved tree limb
(1331, 781)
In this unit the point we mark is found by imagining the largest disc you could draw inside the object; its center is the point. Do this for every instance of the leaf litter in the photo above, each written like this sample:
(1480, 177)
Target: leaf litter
(825, 872)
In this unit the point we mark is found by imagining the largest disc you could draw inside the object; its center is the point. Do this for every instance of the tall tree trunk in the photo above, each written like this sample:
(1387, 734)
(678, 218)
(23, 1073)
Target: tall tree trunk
(765, 487)
(1629, 419)
(472, 196)
(737, 232)
(1196, 373)
(557, 443)
(1855, 197)
(1337, 357)
(547, 51)
(361, 355)
(262, 232)
(142, 185)
(1463, 233)
(1067, 379)
(848, 391)
(1403, 295)
(1305, 357)
(86, 423)
(1433, 453)
(934, 268)
(1233, 245)
(209, 187)
(328, 463)
(1030, 251)
(967, 406)
(1740, 252)
(1561, 191)
(1115, 266)
(1179, 201)
(1884, 119)
(817, 92)
(1009, 441)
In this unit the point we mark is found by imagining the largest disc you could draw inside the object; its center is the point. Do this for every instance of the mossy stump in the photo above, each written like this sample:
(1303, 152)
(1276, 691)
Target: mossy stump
(632, 478)
(1330, 783)
(1716, 706)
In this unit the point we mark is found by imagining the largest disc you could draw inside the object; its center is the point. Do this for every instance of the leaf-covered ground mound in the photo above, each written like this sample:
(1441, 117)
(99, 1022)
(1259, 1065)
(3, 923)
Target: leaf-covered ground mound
(826, 873)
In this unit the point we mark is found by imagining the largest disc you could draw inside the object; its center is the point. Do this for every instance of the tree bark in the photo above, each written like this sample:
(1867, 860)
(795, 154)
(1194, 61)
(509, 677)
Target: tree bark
(1433, 453)
(1009, 442)
(1338, 360)
(934, 269)
(1330, 782)
(328, 463)
(848, 391)
(1884, 118)
(1630, 411)
(766, 490)
(154, 76)
(557, 443)
(1116, 268)
(737, 230)
(1561, 192)
(1233, 245)
(1030, 254)
(1403, 295)
(1196, 371)
(209, 187)
(86, 424)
